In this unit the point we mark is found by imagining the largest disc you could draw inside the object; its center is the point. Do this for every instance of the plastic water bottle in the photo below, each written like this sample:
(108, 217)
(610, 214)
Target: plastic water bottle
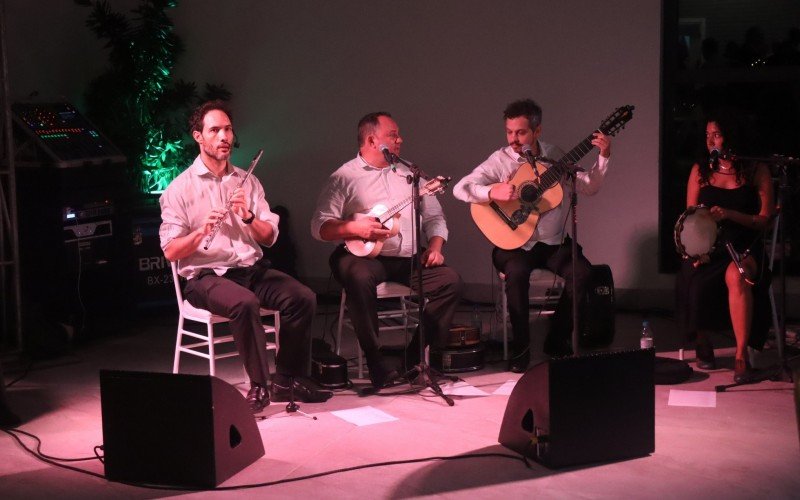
(646, 340)
(476, 320)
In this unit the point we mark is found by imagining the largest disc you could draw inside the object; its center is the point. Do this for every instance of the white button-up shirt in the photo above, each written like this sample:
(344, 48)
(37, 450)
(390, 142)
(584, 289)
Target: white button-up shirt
(356, 187)
(186, 203)
(503, 164)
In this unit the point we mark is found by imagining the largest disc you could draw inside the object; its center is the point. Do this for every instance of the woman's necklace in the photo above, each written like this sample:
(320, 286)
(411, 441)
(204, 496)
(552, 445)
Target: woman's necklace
(722, 169)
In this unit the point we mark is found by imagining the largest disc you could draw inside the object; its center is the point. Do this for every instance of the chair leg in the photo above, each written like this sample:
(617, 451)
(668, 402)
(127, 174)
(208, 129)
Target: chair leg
(340, 323)
(277, 319)
(212, 362)
(176, 363)
(340, 328)
(360, 362)
(505, 319)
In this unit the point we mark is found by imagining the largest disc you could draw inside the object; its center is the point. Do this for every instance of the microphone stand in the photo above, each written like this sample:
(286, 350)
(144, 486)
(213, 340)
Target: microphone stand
(782, 372)
(572, 171)
(425, 375)
(292, 406)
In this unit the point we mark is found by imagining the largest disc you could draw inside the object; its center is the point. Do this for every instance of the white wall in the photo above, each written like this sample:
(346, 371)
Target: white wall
(302, 73)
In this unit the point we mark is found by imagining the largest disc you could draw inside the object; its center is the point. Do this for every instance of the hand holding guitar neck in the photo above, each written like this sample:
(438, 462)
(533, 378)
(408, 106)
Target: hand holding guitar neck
(509, 224)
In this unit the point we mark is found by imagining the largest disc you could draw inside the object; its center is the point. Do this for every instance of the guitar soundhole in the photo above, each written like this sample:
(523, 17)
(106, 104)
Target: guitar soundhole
(529, 193)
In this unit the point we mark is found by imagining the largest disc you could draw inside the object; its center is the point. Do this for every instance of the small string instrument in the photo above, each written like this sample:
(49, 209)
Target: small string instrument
(389, 218)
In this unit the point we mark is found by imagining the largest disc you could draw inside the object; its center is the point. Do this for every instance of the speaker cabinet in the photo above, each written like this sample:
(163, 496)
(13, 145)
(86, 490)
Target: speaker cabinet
(577, 410)
(598, 323)
(182, 430)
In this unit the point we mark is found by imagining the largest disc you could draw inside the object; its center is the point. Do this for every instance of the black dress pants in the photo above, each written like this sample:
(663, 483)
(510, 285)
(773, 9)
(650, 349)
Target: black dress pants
(238, 294)
(518, 264)
(360, 276)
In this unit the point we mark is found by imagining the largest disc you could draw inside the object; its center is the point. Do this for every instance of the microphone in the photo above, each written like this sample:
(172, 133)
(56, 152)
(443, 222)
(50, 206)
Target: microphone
(713, 159)
(387, 155)
(528, 153)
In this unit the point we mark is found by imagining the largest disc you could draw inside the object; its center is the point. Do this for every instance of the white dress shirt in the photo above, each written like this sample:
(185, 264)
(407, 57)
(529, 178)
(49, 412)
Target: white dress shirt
(186, 203)
(501, 166)
(357, 186)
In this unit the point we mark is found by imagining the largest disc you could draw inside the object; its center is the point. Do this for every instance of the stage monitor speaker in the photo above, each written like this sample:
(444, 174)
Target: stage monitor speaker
(576, 410)
(179, 430)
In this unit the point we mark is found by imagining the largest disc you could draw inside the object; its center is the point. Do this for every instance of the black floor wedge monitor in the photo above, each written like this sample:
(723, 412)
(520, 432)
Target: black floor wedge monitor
(579, 410)
(181, 430)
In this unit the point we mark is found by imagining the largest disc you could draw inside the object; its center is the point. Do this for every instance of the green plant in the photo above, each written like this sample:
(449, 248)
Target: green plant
(136, 101)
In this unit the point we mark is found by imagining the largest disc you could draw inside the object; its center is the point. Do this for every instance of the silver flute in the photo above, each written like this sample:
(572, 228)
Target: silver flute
(218, 224)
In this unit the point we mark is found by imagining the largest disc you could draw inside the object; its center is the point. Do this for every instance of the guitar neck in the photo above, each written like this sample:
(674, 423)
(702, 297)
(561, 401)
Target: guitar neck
(556, 171)
(392, 211)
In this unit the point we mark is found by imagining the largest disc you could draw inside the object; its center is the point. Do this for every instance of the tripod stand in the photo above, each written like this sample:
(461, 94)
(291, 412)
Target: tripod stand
(782, 371)
(292, 406)
(422, 372)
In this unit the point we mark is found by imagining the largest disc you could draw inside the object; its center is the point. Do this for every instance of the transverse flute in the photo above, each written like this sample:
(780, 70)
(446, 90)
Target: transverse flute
(218, 224)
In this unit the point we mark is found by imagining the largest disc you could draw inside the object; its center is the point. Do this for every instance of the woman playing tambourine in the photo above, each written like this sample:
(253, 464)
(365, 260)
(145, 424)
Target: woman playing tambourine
(712, 292)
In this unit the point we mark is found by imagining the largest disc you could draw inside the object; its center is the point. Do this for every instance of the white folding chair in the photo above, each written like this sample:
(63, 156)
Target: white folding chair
(400, 317)
(545, 291)
(205, 347)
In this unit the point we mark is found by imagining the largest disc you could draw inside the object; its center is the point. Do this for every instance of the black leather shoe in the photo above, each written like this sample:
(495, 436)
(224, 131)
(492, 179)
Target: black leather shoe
(257, 397)
(304, 391)
(705, 364)
(519, 363)
(704, 352)
(385, 379)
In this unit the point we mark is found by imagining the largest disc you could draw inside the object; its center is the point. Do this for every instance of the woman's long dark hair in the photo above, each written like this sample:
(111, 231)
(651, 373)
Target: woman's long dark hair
(731, 124)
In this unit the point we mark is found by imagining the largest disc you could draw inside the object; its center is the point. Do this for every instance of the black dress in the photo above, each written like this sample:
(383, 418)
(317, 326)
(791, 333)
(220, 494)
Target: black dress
(702, 296)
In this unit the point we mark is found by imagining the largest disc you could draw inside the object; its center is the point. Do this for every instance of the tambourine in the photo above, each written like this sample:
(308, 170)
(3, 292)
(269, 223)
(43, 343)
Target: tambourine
(696, 233)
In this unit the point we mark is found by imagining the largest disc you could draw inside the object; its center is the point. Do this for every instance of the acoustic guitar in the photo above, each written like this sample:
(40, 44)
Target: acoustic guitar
(510, 224)
(389, 218)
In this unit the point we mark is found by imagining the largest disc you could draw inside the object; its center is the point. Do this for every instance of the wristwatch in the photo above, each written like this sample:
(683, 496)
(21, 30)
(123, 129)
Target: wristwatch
(250, 219)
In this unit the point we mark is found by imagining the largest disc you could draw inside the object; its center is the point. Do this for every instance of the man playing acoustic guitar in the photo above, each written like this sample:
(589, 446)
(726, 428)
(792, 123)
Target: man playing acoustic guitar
(548, 246)
(379, 248)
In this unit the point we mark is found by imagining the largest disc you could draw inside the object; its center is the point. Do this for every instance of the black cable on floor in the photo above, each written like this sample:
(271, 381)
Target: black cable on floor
(11, 432)
(24, 374)
(38, 452)
(55, 461)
